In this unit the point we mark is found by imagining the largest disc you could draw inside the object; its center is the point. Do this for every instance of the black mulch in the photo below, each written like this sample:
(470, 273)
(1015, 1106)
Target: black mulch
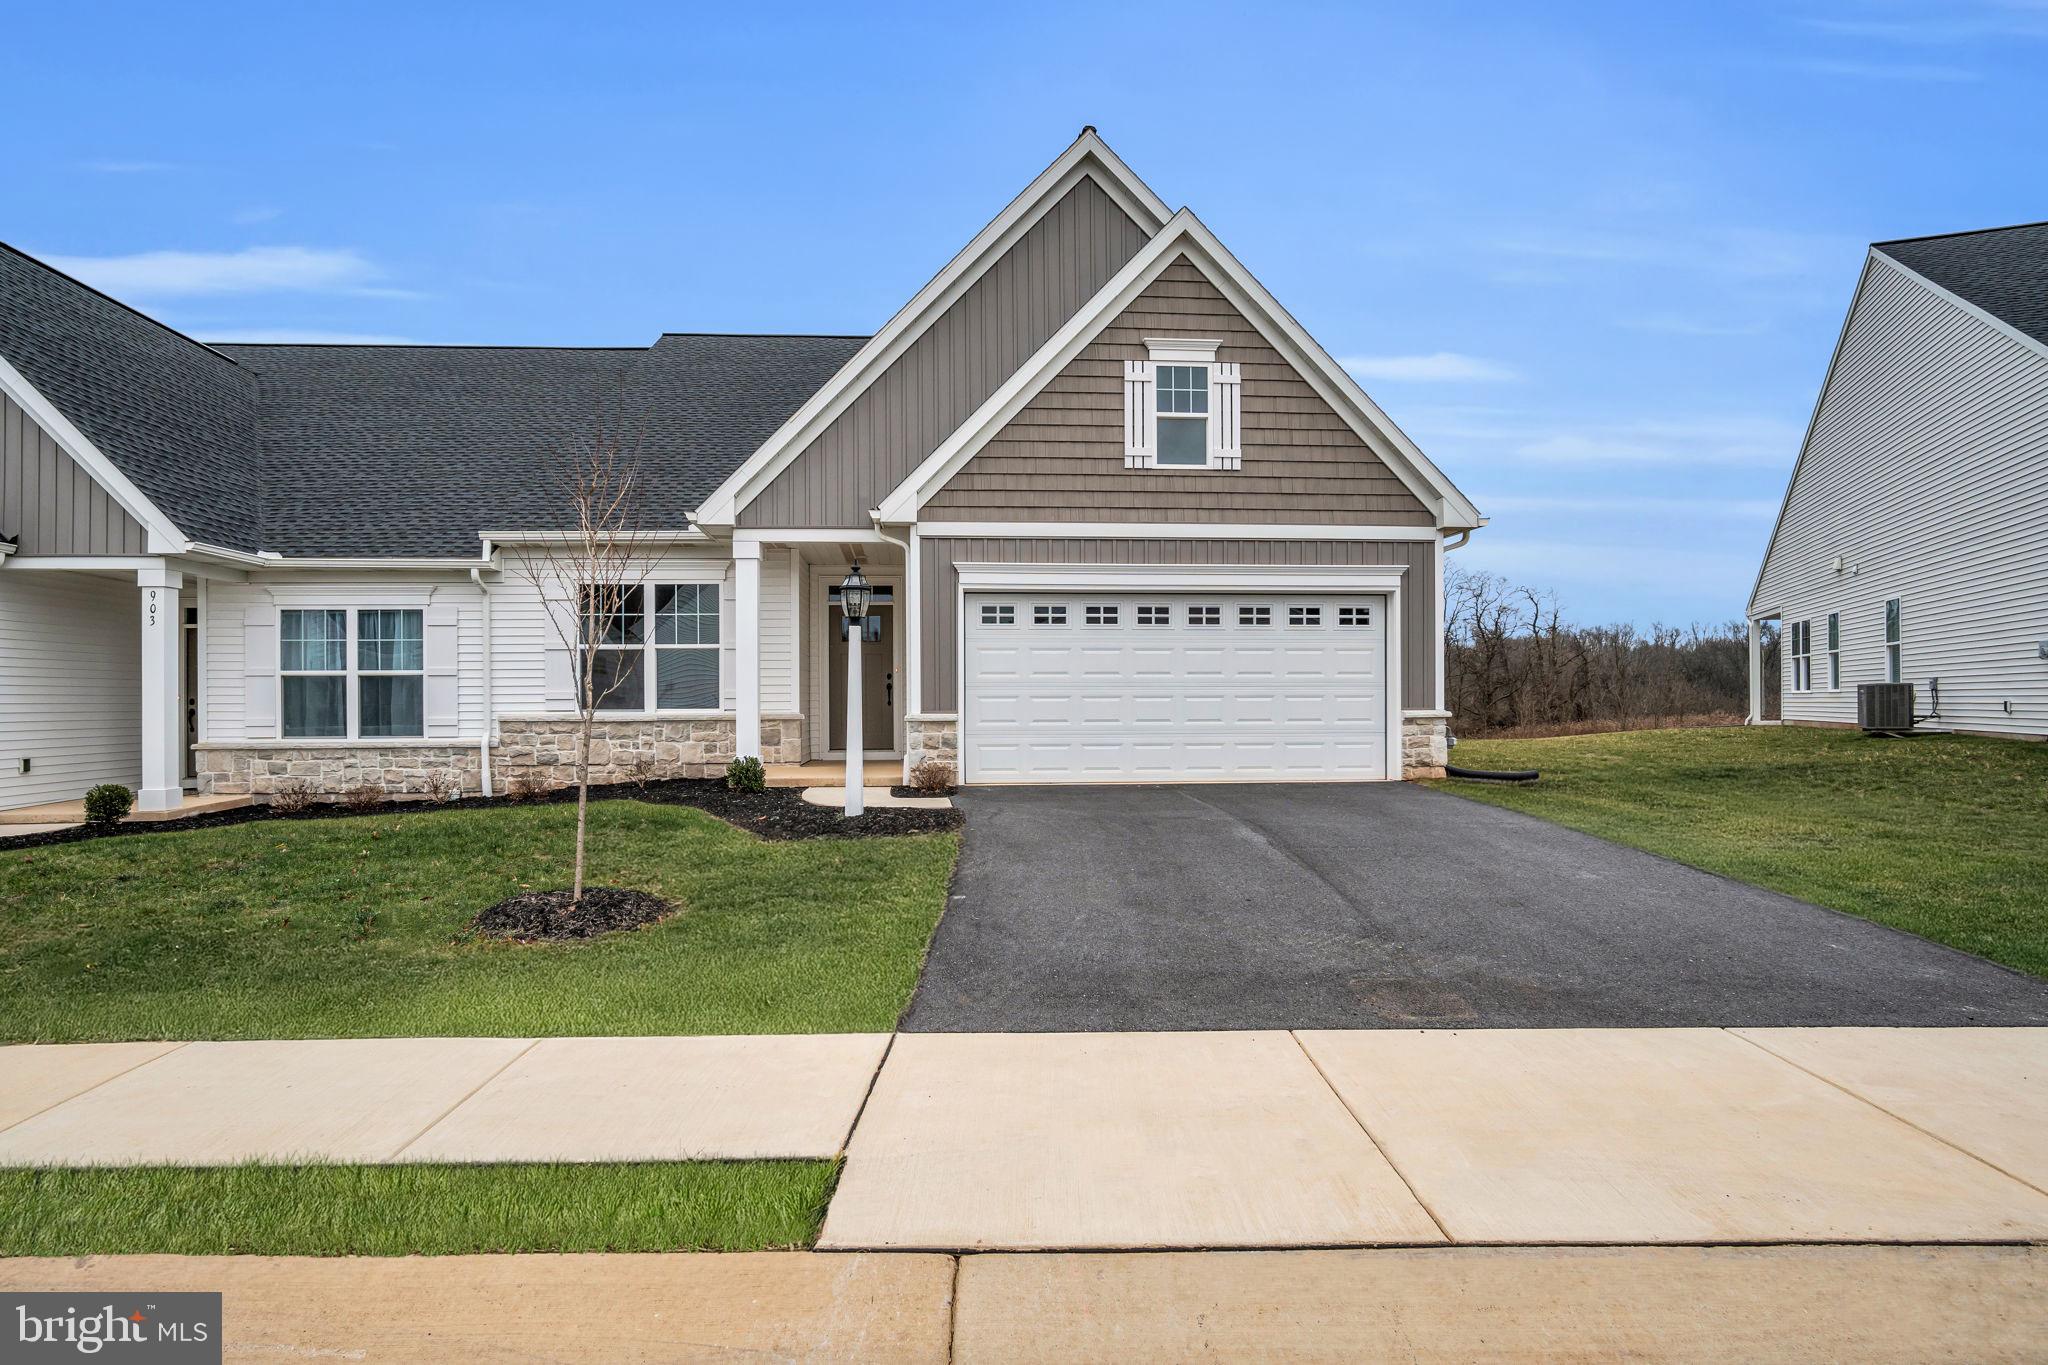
(919, 791)
(545, 916)
(778, 813)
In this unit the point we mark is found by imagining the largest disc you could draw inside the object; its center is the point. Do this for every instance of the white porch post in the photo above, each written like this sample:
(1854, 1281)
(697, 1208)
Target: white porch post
(856, 726)
(746, 642)
(1756, 671)
(163, 728)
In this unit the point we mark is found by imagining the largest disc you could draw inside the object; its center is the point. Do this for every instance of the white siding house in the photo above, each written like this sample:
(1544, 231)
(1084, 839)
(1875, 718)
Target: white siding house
(1913, 541)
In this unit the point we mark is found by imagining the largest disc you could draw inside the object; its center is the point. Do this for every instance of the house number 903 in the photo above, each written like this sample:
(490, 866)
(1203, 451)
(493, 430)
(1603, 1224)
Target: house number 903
(152, 606)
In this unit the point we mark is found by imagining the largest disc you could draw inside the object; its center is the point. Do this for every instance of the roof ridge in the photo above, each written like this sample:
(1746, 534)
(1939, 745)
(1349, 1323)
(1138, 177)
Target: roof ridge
(781, 336)
(1966, 232)
(423, 346)
(158, 323)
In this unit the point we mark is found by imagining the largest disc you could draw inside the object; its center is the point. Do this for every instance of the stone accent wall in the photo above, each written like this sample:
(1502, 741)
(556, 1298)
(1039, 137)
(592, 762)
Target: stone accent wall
(538, 751)
(925, 737)
(1423, 748)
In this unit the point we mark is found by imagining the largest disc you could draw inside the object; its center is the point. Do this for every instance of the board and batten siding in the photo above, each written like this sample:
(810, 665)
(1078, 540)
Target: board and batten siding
(51, 502)
(70, 684)
(941, 583)
(1926, 474)
(962, 358)
(1062, 457)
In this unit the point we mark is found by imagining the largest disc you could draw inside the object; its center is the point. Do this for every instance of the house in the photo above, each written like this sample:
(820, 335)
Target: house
(1126, 519)
(1910, 547)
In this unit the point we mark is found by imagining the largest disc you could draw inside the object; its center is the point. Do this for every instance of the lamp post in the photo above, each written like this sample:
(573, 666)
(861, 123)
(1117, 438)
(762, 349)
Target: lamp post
(854, 593)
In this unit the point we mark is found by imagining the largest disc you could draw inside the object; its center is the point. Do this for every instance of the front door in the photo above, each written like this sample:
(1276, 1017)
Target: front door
(878, 675)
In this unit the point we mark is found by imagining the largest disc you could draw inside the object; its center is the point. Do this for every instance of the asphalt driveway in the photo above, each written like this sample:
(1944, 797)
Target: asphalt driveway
(1390, 905)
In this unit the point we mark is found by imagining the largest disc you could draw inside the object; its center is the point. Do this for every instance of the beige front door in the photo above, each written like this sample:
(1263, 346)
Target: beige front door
(878, 678)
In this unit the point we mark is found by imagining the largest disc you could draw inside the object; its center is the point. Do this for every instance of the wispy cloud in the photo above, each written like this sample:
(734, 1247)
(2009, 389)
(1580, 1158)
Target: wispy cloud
(252, 270)
(1627, 505)
(1917, 72)
(108, 166)
(1438, 367)
(1671, 325)
(289, 336)
(1959, 21)
(1728, 252)
(1699, 441)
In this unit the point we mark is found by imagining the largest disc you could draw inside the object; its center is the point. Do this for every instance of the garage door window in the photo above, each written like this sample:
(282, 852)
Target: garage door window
(1048, 616)
(1155, 616)
(1304, 616)
(1255, 616)
(1101, 616)
(1205, 616)
(1354, 616)
(994, 614)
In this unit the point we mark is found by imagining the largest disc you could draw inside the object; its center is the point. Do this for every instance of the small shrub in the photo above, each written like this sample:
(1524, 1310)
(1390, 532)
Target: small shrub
(933, 776)
(107, 803)
(746, 775)
(523, 785)
(292, 800)
(444, 786)
(364, 797)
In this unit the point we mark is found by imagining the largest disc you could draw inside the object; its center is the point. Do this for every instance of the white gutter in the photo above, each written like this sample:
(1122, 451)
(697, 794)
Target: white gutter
(483, 745)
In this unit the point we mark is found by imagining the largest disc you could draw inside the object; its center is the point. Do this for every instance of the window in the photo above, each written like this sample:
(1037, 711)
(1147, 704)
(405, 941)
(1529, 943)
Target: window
(1894, 611)
(1354, 616)
(1834, 650)
(390, 674)
(616, 618)
(1048, 616)
(1799, 635)
(1101, 616)
(1304, 616)
(318, 671)
(1183, 414)
(313, 670)
(686, 647)
(1255, 616)
(1205, 616)
(998, 614)
(1155, 616)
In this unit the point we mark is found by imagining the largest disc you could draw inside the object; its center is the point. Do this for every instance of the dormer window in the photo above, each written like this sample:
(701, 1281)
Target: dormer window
(1181, 407)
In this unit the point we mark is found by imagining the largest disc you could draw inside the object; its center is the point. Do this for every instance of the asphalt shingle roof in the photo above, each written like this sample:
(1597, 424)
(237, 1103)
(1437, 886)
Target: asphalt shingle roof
(393, 450)
(2004, 271)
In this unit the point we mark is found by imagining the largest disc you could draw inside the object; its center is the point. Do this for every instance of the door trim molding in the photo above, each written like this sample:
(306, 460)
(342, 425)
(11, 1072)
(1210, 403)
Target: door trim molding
(819, 582)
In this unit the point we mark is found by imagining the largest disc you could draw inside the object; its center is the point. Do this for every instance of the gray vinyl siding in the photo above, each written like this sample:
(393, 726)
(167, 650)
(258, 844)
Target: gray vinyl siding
(963, 357)
(1926, 473)
(50, 501)
(939, 600)
(1062, 457)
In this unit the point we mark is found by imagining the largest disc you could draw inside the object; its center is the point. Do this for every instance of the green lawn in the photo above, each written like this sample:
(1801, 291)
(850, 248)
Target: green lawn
(413, 1210)
(1940, 835)
(354, 928)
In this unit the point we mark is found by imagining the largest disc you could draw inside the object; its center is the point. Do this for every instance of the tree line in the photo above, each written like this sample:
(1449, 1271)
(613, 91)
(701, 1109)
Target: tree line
(1515, 666)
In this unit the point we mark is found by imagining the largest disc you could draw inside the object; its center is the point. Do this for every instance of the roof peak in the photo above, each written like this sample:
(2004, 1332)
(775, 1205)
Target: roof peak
(158, 323)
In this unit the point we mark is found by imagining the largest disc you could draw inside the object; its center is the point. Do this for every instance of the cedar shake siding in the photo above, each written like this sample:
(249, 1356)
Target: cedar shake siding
(1062, 457)
(49, 500)
(976, 344)
(941, 589)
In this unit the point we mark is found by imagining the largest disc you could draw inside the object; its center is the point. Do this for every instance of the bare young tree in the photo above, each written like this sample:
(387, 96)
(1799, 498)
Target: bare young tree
(588, 582)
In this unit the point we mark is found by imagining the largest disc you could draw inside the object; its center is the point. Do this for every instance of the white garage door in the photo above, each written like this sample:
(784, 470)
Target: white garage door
(1135, 687)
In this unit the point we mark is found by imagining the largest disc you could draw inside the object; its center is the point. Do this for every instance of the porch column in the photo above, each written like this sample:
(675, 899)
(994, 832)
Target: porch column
(746, 644)
(1756, 671)
(163, 728)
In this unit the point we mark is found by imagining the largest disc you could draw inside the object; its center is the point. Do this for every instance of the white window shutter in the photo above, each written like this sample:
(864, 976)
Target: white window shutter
(440, 656)
(259, 671)
(1138, 423)
(1226, 428)
(558, 673)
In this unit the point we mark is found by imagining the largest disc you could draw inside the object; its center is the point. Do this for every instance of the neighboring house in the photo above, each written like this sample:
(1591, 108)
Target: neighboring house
(1913, 542)
(1128, 521)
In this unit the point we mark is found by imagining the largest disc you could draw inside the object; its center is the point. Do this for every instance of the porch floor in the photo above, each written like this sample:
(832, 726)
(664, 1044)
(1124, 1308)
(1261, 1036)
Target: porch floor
(828, 772)
(59, 813)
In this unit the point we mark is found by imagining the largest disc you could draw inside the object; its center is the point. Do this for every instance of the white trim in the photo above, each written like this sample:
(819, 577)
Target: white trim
(811, 536)
(670, 536)
(1182, 350)
(1187, 234)
(164, 537)
(746, 632)
(1088, 157)
(80, 563)
(1169, 530)
(820, 581)
(995, 577)
(913, 645)
(1436, 619)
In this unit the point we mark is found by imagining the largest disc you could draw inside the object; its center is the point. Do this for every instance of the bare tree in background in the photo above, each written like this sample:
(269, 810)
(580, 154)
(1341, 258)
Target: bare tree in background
(588, 581)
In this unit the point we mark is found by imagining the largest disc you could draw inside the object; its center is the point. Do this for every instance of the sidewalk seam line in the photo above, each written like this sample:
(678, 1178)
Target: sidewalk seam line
(866, 1095)
(1392, 1165)
(1901, 1118)
(435, 1122)
(953, 1313)
(124, 1071)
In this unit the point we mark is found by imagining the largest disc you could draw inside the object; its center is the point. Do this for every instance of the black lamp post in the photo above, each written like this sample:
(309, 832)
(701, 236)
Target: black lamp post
(854, 596)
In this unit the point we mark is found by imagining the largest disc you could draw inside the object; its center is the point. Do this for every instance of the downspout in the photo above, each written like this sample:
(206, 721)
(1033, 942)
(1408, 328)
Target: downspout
(483, 746)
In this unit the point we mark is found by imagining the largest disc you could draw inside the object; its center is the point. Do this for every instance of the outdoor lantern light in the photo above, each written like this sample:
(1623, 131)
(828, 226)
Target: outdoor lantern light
(854, 594)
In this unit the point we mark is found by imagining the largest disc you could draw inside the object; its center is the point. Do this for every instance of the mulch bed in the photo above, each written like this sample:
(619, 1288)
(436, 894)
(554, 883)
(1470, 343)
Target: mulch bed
(919, 791)
(778, 813)
(545, 916)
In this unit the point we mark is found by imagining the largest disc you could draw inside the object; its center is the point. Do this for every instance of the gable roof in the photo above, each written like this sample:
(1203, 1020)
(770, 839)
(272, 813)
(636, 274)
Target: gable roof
(1186, 235)
(1088, 156)
(2003, 271)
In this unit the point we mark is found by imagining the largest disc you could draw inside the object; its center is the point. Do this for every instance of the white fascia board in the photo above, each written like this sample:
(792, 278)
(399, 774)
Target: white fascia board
(1169, 530)
(688, 536)
(811, 535)
(1088, 157)
(1187, 234)
(1179, 578)
(164, 537)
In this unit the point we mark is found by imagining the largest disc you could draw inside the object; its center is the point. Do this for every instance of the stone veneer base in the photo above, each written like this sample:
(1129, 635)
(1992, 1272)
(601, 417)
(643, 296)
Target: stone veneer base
(931, 737)
(1425, 747)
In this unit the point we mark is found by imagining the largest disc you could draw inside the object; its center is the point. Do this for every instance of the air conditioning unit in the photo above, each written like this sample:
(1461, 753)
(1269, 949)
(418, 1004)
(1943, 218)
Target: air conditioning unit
(1884, 708)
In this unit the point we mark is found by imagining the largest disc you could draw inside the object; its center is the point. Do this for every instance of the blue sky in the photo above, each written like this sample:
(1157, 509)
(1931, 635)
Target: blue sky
(1593, 257)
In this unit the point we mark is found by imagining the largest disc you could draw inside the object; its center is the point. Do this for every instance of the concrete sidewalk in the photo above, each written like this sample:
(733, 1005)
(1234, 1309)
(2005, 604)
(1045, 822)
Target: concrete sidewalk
(1862, 1303)
(1153, 1141)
